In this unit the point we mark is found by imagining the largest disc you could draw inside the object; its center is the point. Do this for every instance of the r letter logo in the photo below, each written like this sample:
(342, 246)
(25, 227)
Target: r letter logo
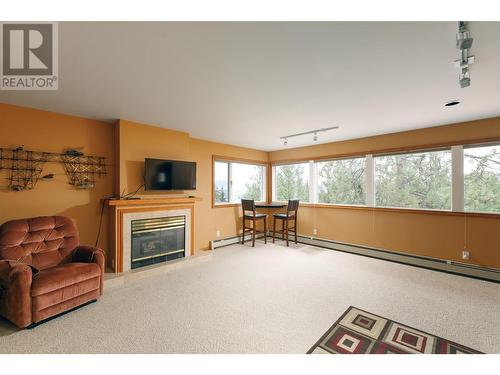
(29, 56)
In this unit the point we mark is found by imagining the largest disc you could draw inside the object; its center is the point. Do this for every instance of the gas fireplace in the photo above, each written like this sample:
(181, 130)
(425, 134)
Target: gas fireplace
(157, 240)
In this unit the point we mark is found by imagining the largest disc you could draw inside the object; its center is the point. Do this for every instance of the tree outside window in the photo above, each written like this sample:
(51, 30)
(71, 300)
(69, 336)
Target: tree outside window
(341, 181)
(235, 181)
(482, 179)
(417, 180)
(292, 182)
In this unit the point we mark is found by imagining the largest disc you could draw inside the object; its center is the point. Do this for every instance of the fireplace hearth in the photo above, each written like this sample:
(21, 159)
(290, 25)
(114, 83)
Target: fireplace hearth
(157, 240)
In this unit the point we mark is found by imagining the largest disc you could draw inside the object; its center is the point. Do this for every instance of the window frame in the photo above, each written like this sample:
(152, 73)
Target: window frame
(414, 152)
(313, 181)
(230, 161)
(457, 177)
(469, 146)
(315, 178)
(273, 179)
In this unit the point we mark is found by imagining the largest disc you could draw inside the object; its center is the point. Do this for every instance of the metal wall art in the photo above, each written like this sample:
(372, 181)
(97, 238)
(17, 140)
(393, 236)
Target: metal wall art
(25, 167)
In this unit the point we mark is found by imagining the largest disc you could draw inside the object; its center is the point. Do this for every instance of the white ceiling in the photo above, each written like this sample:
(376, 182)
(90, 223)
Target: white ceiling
(247, 84)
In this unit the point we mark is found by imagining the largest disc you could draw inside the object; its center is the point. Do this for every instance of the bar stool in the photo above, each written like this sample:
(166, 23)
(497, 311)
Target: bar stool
(248, 205)
(291, 215)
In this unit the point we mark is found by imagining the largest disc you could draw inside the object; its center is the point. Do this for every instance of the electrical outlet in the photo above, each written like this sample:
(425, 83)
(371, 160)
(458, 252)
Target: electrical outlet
(315, 231)
(217, 233)
(466, 255)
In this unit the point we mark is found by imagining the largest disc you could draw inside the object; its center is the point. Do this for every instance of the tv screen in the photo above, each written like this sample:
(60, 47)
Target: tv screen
(169, 175)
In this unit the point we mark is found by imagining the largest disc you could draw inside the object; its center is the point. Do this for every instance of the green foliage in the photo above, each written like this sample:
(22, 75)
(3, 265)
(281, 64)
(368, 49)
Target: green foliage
(421, 180)
(290, 183)
(342, 181)
(221, 194)
(253, 188)
(482, 183)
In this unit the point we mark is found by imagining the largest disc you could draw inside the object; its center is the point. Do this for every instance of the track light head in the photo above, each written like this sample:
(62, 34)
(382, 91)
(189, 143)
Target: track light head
(464, 40)
(315, 138)
(285, 142)
(464, 77)
(464, 82)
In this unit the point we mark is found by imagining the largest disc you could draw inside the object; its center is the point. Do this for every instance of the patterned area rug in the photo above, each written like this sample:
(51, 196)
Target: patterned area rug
(360, 332)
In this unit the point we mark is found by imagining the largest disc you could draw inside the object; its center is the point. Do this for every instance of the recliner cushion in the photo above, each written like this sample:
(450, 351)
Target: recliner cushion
(56, 297)
(59, 277)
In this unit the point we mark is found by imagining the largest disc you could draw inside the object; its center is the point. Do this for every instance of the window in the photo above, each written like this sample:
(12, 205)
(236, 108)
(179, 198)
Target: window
(460, 178)
(416, 180)
(221, 183)
(235, 181)
(341, 181)
(482, 178)
(292, 182)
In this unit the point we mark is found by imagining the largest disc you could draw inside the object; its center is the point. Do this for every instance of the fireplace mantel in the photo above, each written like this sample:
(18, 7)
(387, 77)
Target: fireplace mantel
(151, 201)
(123, 209)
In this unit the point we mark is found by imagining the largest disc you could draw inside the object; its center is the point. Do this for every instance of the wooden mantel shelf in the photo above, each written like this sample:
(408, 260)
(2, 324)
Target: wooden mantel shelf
(151, 201)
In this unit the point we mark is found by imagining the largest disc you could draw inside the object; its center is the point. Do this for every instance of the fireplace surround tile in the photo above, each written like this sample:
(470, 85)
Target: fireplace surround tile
(127, 230)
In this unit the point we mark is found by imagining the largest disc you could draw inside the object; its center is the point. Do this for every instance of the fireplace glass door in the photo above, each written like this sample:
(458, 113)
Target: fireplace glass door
(157, 240)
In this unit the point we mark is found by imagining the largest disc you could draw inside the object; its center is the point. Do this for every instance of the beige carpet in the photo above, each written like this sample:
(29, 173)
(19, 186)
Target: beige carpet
(268, 299)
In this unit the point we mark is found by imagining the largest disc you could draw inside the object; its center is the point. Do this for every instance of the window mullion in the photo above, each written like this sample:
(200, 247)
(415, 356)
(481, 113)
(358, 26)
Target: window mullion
(370, 181)
(313, 186)
(457, 178)
(273, 183)
(230, 181)
(264, 184)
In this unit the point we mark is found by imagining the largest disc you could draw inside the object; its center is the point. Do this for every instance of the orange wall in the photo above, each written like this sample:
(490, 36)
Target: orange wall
(435, 235)
(45, 131)
(138, 141)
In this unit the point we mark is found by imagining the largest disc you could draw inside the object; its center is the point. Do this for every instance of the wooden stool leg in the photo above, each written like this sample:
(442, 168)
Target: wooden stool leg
(265, 230)
(295, 230)
(274, 228)
(253, 233)
(286, 232)
(243, 234)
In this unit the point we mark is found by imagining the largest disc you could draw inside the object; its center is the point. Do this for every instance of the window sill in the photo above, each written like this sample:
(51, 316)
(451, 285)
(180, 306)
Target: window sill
(226, 205)
(402, 210)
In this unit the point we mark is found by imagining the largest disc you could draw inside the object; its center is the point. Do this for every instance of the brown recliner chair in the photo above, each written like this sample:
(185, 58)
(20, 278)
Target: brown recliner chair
(44, 271)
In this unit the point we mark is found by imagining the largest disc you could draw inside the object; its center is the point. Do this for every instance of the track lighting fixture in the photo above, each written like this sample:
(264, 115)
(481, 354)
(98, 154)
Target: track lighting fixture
(315, 132)
(464, 43)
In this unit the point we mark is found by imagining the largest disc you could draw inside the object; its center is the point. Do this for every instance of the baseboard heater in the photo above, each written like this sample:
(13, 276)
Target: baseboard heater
(454, 267)
(214, 244)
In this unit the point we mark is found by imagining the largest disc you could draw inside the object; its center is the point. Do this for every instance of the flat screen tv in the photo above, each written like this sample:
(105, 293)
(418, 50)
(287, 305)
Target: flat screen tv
(169, 175)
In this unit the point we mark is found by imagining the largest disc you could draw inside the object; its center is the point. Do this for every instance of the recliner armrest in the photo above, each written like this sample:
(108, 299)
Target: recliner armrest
(11, 270)
(15, 280)
(89, 254)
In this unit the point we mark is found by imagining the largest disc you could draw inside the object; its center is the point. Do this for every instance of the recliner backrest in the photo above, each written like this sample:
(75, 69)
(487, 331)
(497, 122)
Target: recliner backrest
(42, 242)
